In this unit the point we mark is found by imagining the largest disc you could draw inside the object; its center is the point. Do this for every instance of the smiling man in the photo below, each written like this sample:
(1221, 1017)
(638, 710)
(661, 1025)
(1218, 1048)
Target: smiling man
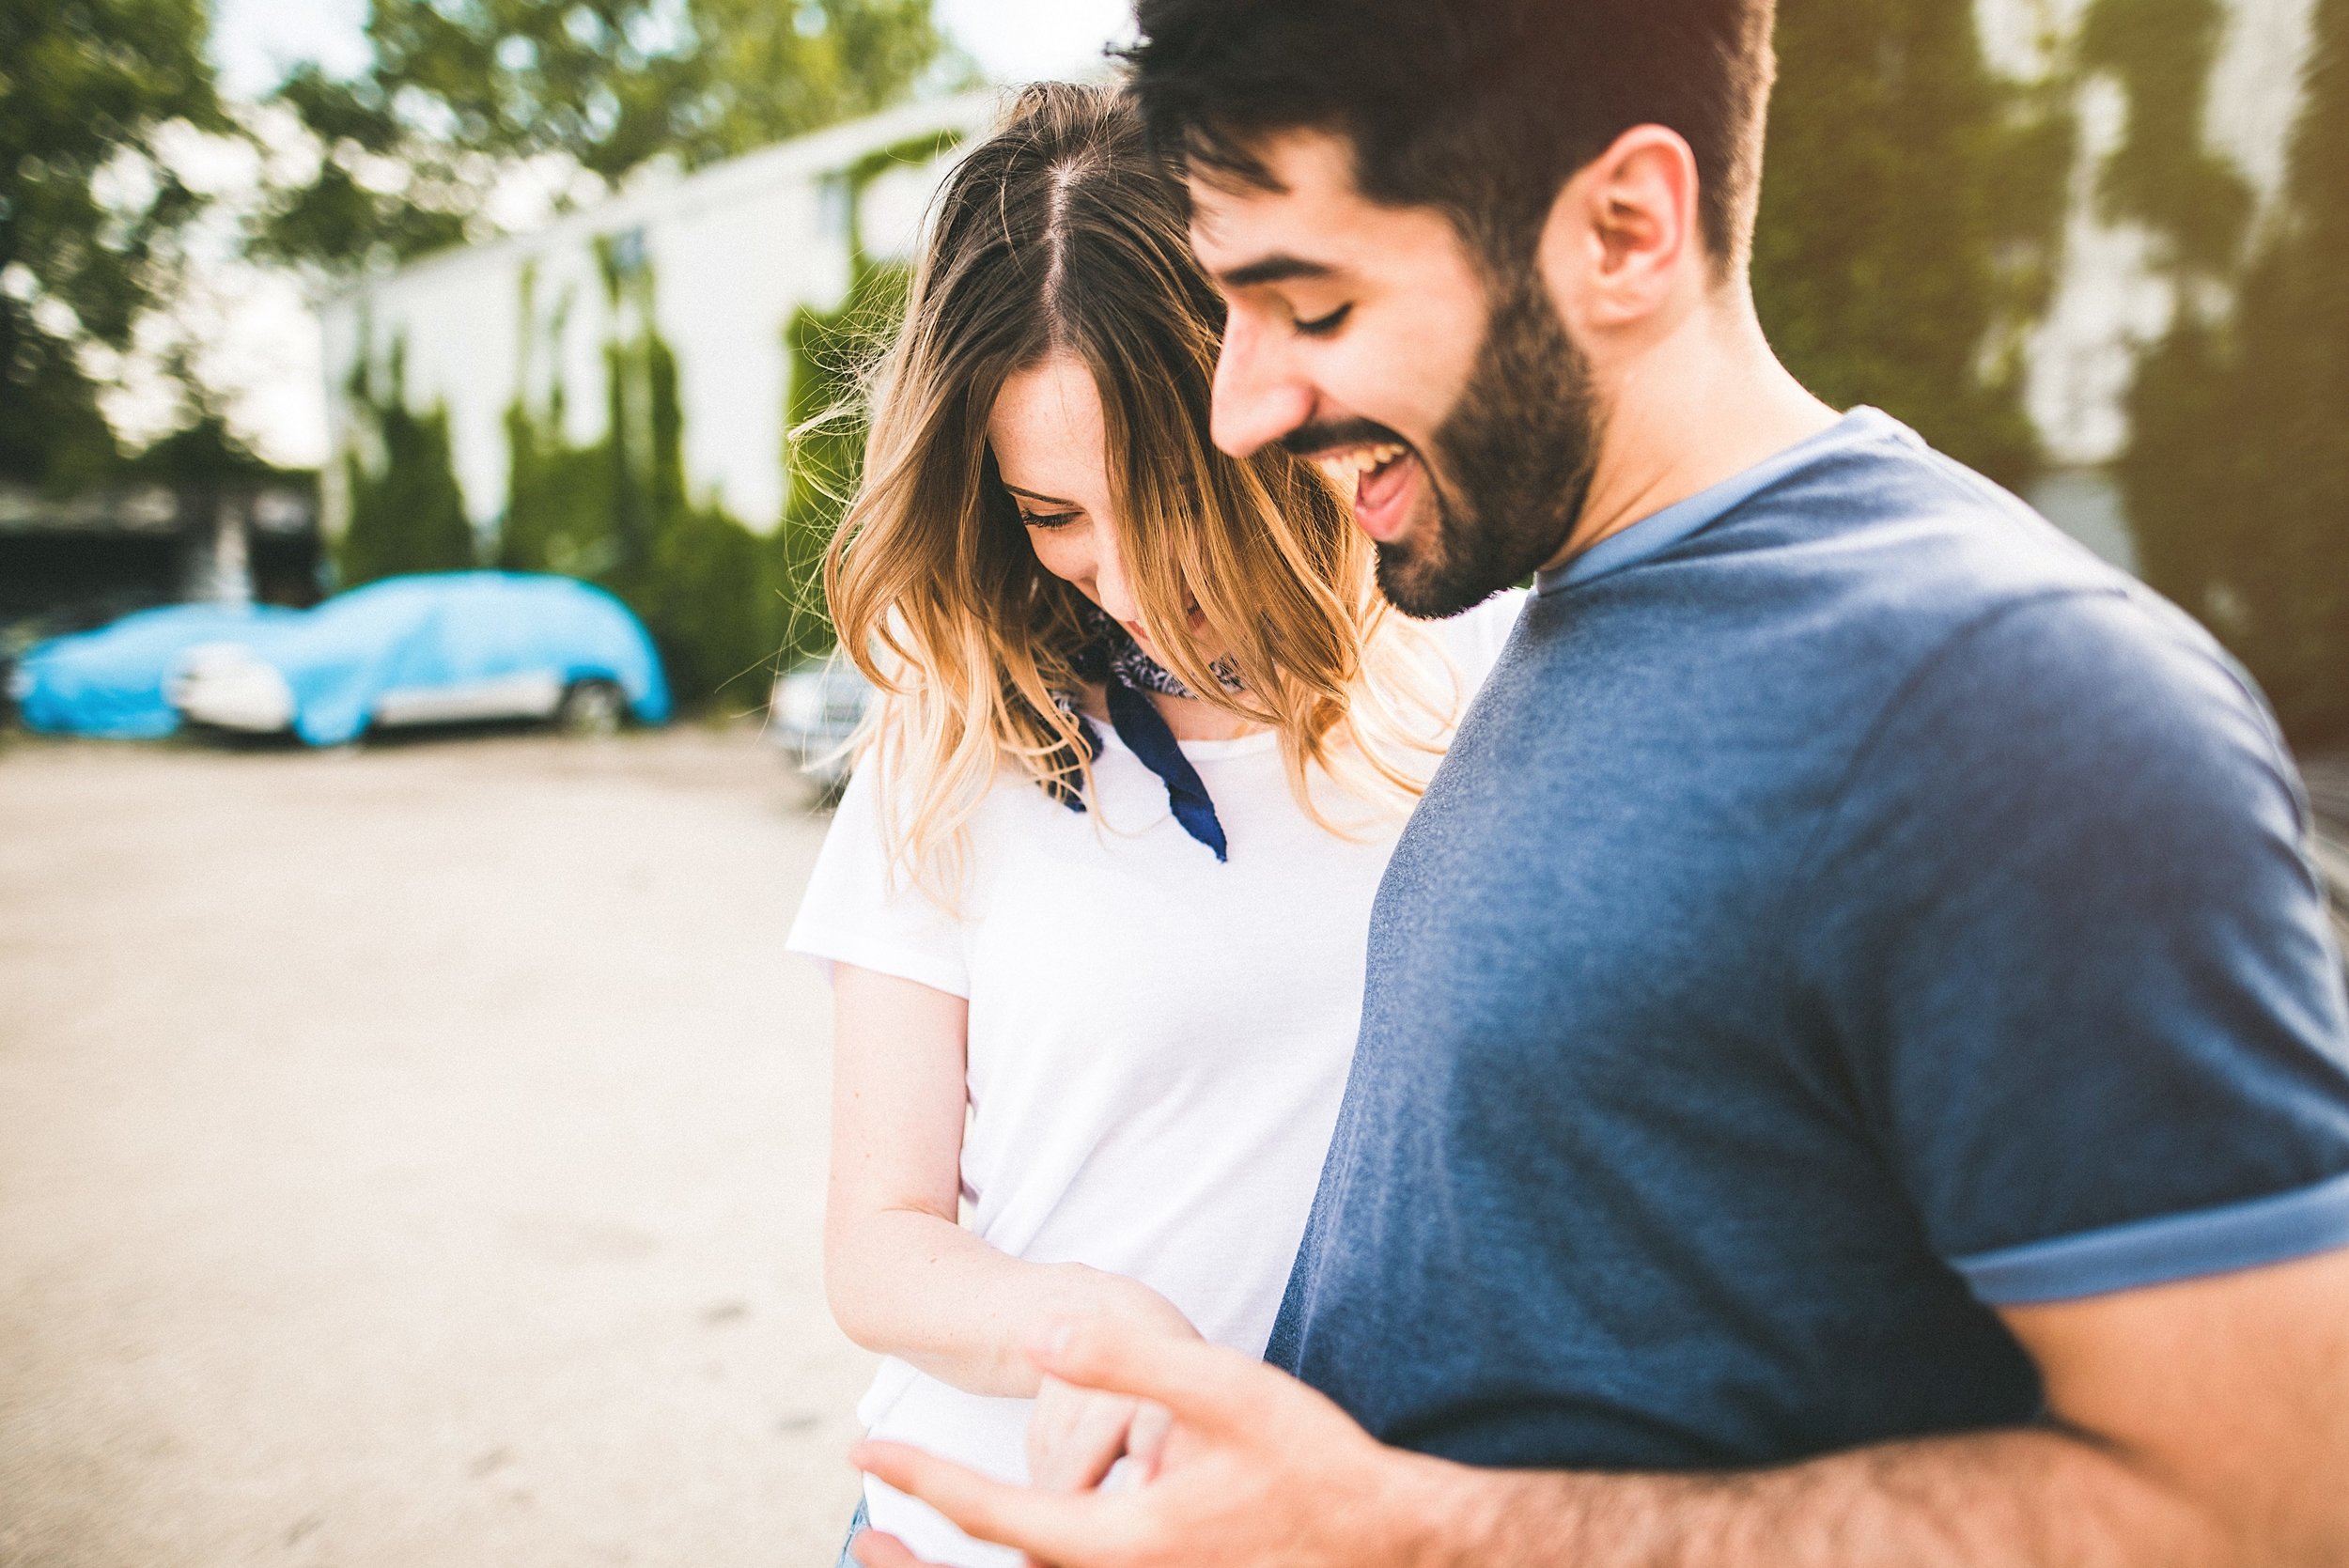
(1853, 1065)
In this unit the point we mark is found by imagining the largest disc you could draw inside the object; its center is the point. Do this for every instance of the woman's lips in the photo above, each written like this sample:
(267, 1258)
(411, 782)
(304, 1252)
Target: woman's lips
(1197, 622)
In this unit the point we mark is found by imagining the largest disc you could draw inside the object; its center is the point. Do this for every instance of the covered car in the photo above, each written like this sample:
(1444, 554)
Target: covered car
(110, 682)
(427, 649)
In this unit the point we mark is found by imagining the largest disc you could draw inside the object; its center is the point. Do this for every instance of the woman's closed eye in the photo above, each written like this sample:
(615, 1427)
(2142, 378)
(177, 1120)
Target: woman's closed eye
(1046, 519)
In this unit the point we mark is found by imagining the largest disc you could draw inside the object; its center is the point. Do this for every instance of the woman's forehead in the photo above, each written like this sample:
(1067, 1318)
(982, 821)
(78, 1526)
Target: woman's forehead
(1046, 429)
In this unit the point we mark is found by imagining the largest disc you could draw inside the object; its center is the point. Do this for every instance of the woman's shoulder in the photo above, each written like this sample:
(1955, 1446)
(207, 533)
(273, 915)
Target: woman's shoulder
(1458, 651)
(883, 810)
(1475, 637)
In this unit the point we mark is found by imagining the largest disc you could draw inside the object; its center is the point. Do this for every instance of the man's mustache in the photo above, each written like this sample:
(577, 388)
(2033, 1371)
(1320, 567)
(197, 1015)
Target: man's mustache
(1311, 441)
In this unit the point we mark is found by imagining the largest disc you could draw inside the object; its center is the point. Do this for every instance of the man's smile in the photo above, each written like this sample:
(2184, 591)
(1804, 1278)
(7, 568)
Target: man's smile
(1381, 477)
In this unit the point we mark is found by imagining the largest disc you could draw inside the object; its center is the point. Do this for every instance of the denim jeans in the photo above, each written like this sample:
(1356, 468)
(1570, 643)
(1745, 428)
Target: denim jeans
(854, 1525)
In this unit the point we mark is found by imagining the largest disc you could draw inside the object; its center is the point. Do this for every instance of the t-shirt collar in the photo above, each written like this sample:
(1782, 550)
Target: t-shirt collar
(1659, 531)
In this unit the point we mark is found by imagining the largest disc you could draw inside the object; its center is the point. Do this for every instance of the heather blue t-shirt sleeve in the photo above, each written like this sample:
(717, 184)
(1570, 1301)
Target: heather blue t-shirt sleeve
(2076, 967)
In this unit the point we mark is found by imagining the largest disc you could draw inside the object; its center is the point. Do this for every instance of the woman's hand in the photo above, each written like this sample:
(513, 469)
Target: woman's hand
(1076, 1436)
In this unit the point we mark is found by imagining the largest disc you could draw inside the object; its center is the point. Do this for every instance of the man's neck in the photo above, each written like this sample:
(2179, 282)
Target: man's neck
(1698, 406)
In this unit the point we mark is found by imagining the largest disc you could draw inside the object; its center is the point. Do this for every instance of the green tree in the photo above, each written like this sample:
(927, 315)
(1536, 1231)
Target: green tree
(88, 208)
(457, 95)
(407, 513)
(1910, 221)
(2236, 476)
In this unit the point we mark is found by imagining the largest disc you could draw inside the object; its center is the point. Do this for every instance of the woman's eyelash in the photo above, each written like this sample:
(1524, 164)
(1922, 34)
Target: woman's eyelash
(1046, 519)
(1322, 326)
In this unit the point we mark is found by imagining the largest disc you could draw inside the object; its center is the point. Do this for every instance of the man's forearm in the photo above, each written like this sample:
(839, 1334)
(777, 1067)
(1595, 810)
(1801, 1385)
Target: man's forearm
(2035, 1498)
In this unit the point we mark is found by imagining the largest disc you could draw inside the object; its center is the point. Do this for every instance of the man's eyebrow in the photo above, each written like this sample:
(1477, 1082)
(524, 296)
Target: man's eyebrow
(1048, 500)
(1278, 268)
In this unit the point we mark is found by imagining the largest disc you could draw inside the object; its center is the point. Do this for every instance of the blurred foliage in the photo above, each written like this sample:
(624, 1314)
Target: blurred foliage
(407, 513)
(88, 209)
(206, 450)
(558, 498)
(458, 96)
(616, 511)
(2236, 476)
(1911, 220)
(825, 422)
(824, 448)
(2161, 175)
(724, 604)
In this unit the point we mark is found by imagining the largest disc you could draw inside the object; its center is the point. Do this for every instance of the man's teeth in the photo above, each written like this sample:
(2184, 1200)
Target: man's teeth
(1344, 467)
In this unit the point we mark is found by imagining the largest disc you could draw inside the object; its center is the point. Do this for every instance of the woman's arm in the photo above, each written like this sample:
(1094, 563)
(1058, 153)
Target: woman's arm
(902, 1276)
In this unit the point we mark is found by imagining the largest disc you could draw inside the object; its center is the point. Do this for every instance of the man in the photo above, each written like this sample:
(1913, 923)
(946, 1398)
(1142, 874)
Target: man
(1853, 1067)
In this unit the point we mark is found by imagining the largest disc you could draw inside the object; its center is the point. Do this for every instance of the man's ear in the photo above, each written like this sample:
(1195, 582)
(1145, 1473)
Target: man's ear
(1622, 243)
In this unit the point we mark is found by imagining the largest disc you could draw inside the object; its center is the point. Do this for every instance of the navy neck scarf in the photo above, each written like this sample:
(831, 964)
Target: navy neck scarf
(1130, 675)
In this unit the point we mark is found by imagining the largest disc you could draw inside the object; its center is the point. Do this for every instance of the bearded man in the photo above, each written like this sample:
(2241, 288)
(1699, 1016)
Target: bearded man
(1853, 1065)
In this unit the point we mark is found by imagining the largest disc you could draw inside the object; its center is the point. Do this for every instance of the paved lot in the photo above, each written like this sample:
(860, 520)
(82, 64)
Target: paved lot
(413, 1157)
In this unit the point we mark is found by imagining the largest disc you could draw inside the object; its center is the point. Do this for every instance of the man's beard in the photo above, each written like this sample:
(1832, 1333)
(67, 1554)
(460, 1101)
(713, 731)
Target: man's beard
(1515, 454)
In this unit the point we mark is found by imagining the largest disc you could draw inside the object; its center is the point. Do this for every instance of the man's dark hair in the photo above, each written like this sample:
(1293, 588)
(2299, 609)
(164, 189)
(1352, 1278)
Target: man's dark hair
(1481, 108)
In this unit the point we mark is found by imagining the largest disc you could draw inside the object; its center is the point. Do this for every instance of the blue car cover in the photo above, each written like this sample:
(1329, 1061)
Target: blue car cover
(451, 628)
(109, 682)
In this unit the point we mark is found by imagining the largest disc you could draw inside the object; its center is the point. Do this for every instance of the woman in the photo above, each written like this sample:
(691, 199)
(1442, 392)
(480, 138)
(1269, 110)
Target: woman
(1094, 902)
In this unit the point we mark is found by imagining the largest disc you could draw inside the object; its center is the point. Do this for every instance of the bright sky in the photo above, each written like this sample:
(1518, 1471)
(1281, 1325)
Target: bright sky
(1013, 41)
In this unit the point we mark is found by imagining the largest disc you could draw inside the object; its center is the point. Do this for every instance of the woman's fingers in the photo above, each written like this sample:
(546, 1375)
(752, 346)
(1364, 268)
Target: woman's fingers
(1207, 1387)
(1145, 1437)
(1074, 1436)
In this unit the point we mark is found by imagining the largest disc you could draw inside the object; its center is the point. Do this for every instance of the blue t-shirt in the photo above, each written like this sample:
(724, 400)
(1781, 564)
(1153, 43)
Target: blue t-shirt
(1849, 907)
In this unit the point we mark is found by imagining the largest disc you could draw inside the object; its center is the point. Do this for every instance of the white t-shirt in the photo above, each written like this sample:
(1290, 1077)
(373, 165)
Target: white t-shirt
(1158, 1041)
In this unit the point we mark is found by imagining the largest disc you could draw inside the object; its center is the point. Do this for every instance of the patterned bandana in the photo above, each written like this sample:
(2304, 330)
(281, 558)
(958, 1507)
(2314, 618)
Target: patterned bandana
(1113, 657)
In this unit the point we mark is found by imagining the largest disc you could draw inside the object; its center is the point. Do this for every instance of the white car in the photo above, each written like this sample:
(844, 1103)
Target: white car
(812, 712)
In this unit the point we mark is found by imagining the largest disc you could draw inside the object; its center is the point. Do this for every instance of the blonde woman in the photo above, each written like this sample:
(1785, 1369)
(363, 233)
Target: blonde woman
(1094, 902)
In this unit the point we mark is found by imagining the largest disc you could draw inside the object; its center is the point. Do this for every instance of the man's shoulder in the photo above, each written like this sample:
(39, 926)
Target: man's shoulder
(1906, 531)
(1935, 575)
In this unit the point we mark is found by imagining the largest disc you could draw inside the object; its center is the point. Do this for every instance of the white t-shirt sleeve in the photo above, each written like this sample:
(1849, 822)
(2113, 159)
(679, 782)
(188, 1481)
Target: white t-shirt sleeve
(1475, 637)
(856, 912)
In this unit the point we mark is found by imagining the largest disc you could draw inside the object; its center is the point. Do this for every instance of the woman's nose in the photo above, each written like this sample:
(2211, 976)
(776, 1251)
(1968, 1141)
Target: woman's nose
(1108, 576)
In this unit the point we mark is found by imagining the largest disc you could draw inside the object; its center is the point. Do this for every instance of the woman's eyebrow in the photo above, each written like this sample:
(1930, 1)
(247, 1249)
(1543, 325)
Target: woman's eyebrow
(1048, 500)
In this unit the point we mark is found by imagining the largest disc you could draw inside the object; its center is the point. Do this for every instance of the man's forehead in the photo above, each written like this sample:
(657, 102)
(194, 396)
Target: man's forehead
(1309, 196)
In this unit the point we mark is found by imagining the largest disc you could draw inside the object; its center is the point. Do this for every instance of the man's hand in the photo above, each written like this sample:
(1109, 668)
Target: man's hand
(2199, 1424)
(1258, 1471)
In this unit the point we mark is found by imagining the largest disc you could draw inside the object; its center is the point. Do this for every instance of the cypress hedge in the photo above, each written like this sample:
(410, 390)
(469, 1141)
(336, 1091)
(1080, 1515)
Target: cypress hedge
(1912, 215)
(407, 514)
(2237, 475)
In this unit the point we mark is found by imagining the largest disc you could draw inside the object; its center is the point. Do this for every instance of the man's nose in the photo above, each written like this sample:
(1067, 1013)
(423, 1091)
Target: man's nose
(1258, 398)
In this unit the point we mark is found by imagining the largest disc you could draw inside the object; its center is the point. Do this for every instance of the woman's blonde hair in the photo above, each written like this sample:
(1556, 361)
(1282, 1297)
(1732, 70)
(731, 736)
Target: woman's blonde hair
(1059, 235)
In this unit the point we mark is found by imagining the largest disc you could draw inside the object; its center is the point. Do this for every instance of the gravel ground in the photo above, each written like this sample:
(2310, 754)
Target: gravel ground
(413, 1156)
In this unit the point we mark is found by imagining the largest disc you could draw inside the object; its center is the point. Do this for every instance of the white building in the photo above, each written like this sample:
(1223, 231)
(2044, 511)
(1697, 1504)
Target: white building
(735, 249)
(730, 253)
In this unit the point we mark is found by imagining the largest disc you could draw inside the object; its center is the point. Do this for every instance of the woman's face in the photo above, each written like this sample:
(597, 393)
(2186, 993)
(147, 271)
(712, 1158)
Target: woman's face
(1052, 453)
